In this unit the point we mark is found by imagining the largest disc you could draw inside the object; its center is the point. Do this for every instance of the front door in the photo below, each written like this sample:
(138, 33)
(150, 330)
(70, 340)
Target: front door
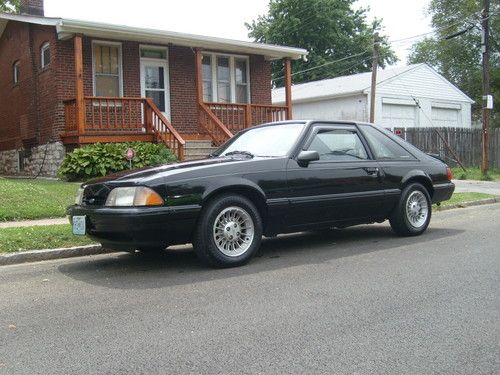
(154, 83)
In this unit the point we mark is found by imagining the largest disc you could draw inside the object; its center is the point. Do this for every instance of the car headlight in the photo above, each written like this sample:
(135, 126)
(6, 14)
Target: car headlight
(79, 197)
(133, 196)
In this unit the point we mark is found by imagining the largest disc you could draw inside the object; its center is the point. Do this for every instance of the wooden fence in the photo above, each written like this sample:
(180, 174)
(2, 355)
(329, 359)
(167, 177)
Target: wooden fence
(466, 143)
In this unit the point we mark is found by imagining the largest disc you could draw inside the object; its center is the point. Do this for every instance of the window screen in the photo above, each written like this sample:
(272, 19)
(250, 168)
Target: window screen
(107, 70)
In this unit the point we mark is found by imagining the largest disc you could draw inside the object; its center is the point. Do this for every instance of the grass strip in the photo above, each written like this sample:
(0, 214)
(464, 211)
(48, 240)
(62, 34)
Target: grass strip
(458, 198)
(39, 237)
(25, 199)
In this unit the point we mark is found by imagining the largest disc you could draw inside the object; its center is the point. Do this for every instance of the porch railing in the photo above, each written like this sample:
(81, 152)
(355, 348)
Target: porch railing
(221, 120)
(237, 117)
(121, 116)
(213, 125)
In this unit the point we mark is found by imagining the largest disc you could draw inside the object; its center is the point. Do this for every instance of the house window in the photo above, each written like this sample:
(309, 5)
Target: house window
(225, 78)
(107, 70)
(154, 53)
(15, 72)
(45, 55)
(241, 80)
(206, 66)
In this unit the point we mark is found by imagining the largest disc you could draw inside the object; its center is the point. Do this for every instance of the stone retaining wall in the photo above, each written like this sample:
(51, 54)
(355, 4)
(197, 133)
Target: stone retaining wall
(53, 153)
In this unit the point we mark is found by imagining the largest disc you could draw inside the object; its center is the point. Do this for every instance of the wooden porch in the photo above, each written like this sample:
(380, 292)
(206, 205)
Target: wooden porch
(90, 119)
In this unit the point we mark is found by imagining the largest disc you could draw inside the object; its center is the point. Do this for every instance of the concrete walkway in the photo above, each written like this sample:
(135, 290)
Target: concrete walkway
(30, 223)
(467, 186)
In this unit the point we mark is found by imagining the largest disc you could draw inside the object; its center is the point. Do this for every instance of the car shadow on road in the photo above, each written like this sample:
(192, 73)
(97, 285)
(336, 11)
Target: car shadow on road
(181, 266)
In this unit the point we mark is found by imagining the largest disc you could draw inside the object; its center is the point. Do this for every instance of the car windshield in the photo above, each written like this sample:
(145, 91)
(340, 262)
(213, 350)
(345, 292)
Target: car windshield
(268, 141)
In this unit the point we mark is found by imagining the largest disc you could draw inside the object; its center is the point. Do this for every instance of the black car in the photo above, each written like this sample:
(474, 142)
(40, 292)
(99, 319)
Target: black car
(275, 178)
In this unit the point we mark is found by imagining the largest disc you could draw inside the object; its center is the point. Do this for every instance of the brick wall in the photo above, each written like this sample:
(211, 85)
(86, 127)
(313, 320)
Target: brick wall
(260, 80)
(183, 104)
(27, 108)
(34, 7)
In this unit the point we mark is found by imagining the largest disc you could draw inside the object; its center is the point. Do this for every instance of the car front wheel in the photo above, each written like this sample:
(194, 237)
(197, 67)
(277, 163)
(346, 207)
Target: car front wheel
(229, 231)
(412, 214)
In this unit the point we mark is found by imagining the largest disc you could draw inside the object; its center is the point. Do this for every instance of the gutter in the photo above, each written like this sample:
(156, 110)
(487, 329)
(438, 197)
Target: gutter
(68, 27)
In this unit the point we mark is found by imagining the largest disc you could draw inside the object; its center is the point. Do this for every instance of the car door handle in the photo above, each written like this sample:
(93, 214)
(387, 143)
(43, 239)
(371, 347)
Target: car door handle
(372, 171)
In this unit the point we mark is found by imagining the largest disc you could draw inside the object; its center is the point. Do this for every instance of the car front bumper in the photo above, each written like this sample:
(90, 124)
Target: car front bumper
(130, 228)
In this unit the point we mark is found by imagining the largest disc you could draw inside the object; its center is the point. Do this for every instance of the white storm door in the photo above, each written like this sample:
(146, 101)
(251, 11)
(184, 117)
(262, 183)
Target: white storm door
(154, 84)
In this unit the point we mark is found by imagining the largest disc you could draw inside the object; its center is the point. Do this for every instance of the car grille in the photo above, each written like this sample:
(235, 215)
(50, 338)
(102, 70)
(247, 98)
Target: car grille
(95, 195)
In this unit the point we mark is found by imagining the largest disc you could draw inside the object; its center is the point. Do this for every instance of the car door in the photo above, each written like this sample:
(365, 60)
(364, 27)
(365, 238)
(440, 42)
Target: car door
(394, 160)
(345, 184)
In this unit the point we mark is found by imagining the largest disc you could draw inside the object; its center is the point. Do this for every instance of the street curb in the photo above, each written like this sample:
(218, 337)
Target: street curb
(50, 254)
(78, 251)
(469, 204)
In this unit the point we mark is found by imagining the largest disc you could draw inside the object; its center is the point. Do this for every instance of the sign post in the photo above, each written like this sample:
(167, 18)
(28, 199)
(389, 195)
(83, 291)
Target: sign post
(130, 154)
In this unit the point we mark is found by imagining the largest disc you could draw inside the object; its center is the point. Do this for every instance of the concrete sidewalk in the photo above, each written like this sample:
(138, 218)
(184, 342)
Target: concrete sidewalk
(469, 186)
(30, 223)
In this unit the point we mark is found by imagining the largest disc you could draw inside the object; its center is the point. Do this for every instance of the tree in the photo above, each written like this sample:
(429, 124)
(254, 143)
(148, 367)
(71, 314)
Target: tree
(9, 6)
(459, 57)
(329, 29)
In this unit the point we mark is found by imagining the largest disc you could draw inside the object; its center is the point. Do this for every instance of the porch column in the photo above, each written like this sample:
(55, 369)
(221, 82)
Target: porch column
(198, 75)
(288, 87)
(79, 96)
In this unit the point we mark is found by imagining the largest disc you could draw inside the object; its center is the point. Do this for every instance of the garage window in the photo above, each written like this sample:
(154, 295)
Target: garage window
(383, 147)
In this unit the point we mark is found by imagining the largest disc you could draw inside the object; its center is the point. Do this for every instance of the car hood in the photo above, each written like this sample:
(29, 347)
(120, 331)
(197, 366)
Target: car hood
(140, 175)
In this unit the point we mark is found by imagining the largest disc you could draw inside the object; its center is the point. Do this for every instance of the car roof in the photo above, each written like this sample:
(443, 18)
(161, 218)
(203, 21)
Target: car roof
(308, 122)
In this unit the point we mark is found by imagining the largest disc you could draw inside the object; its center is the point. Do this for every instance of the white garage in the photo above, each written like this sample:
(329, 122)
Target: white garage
(408, 96)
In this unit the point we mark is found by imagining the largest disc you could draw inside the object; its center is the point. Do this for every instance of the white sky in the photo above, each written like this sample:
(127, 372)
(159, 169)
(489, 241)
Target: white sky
(226, 18)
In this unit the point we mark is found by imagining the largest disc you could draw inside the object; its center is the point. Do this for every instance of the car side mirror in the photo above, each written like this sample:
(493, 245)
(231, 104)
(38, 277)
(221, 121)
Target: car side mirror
(305, 157)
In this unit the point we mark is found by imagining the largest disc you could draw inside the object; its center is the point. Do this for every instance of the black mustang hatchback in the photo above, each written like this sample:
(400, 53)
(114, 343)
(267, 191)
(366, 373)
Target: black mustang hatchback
(275, 178)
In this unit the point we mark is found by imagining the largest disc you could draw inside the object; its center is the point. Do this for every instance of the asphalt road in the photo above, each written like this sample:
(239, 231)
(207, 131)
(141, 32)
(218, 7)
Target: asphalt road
(355, 301)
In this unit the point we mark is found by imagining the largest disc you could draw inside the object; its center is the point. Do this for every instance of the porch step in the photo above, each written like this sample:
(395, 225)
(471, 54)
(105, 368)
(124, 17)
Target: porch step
(198, 144)
(198, 149)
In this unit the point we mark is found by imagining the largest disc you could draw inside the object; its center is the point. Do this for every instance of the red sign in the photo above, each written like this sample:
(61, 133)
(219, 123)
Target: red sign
(130, 154)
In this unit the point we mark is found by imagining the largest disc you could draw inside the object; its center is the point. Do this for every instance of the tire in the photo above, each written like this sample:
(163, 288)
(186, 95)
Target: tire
(412, 214)
(229, 231)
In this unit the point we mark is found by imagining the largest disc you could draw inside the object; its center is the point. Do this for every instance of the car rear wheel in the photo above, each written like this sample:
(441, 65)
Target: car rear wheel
(229, 231)
(412, 214)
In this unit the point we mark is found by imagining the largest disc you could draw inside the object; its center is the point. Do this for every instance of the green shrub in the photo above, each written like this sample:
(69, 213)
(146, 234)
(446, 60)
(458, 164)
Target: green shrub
(100, 159)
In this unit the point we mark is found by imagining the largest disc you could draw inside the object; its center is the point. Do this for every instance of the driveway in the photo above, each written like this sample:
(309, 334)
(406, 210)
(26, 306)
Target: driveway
(354, 301)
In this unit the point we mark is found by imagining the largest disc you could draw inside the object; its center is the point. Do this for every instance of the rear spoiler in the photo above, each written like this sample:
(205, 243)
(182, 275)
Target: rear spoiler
(436, 156)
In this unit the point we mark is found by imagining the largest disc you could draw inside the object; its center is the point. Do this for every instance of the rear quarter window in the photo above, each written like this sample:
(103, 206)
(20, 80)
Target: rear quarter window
(383, 147)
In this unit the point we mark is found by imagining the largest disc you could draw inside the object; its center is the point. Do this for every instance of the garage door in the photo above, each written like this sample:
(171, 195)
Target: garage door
(398, 115)
(449, 117)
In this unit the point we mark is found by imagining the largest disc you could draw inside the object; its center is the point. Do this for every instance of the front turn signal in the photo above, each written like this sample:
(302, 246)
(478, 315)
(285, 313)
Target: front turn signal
(146, 197)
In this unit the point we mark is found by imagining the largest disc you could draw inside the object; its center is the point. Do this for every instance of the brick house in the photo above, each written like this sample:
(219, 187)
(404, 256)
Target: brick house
(67, 83)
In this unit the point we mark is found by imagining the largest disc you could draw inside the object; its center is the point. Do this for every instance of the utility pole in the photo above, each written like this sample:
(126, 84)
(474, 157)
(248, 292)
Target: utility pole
(486, 83)
(375, 59)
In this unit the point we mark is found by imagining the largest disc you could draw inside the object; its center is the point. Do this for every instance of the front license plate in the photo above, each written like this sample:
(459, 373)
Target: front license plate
(79, 225)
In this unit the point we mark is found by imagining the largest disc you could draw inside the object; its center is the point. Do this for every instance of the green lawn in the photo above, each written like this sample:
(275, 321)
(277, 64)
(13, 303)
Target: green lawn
(475, 174)
(458, 198)
(35, 199)
(39, 237)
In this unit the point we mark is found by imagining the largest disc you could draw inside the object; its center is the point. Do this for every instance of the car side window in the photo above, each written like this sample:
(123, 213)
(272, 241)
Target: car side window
(384, 147)
(338, 145)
